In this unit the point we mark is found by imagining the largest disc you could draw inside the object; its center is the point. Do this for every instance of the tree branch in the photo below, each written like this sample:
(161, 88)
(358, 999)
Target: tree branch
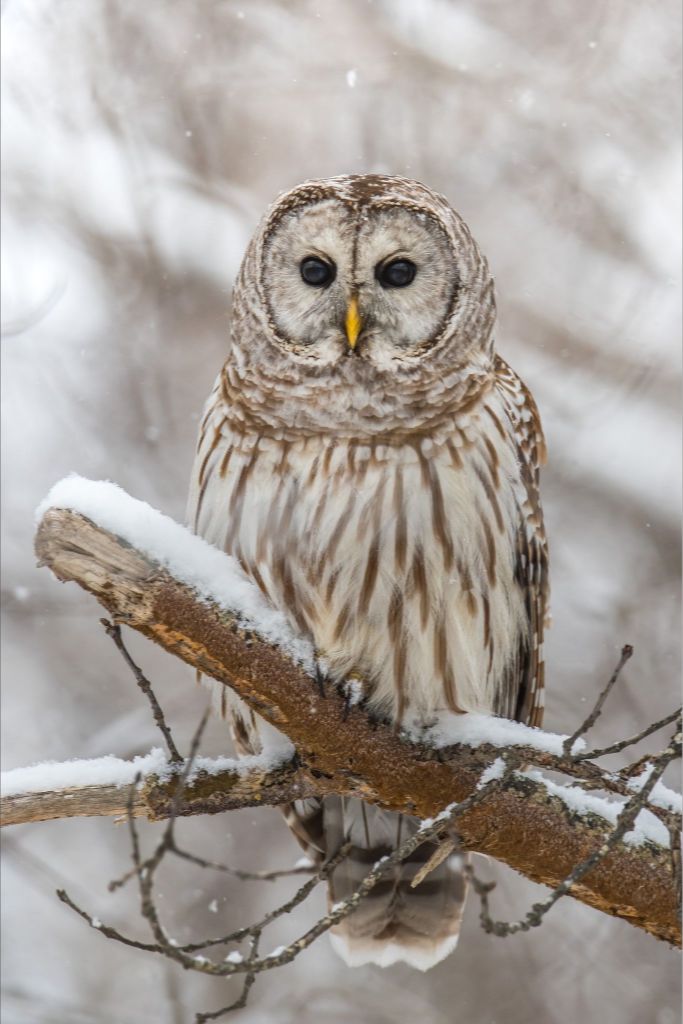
(207, 792)
(526, 823)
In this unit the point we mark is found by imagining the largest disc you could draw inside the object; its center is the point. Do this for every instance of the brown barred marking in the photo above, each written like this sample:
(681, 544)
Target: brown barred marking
(467, 587)
(369, 576)
(283, 532)
(496, 422)
(493, 462)
(225, 461)
(224, 702)
(401, 534)
(198, 509)
(439, 518)
(217, 434)
(313, 471)
(342, 620)
(492, 497)
(236, 503)
(295, 601)
(204, 423)
(443, 669)
(487, 619)
(398, 639)
(454, 454)
(319, 512)
(341, 526)
(331, 584)
(327, 457)
(361, 471)
(240, 735)
(419, 581)
(225, 394)
(490, 550)
(351, 459)
(259, 580)
(282, 467)
(371, 512)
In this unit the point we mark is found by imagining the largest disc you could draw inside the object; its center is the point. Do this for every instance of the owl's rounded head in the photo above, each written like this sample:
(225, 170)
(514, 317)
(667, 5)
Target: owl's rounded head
(369, 266)
(368, 289)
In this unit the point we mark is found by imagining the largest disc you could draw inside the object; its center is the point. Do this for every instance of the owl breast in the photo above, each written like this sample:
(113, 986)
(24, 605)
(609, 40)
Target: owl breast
(399, 560)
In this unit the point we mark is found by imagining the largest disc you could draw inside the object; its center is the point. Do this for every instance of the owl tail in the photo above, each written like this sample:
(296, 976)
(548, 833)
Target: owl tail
(394, 922)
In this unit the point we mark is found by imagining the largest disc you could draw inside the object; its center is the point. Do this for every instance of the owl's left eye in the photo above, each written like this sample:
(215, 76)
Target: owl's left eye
(396, 274)
(317, 272)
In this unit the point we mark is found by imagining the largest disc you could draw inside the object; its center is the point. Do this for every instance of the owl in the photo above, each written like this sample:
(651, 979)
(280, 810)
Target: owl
(373, 465)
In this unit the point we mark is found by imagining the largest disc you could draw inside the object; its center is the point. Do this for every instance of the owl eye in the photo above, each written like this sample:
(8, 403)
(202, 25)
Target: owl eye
(317, 272)
(396, 274)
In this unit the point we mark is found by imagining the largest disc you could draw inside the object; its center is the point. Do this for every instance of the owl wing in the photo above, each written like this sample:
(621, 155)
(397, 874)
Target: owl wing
(210, 488)
(526, 688)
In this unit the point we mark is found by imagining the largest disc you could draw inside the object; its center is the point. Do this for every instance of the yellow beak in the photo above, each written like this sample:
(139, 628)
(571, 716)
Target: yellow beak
(353, 323)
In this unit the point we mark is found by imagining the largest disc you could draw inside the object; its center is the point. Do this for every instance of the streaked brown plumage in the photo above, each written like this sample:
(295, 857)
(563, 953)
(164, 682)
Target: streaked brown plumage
(383, 492)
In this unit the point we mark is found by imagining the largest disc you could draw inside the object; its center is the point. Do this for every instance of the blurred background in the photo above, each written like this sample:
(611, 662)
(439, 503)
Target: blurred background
(141, 144)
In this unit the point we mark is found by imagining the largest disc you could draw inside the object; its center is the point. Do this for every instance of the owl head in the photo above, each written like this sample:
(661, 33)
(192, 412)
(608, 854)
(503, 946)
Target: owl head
(363, 284)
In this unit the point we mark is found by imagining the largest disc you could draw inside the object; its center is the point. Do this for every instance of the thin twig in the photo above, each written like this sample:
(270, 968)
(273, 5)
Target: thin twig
(113, 630)
(615, 748)
(245, 876)
(592, 718)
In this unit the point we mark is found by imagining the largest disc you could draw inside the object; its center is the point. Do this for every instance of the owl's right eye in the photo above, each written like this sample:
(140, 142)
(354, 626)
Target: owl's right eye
(317, 272)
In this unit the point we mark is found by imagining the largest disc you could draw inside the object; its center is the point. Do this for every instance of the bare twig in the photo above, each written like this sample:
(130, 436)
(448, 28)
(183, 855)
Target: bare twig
(592, 718)
(616, 748)
(113, 630)
(244, 876)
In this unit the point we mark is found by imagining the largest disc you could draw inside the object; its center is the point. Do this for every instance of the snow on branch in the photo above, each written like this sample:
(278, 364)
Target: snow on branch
(154, 576)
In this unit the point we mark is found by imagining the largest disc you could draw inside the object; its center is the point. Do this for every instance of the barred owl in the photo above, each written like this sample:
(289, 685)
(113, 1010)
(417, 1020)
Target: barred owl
(373, 466)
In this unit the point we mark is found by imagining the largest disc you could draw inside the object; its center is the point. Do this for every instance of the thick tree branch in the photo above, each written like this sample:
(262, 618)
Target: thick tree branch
(522, 823)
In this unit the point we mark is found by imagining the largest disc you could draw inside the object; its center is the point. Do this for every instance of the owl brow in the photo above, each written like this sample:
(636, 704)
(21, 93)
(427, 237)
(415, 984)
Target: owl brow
(393, 255)
(313, 250)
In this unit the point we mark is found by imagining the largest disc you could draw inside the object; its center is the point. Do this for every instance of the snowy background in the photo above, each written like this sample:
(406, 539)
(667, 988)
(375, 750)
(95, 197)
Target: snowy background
(141, 144)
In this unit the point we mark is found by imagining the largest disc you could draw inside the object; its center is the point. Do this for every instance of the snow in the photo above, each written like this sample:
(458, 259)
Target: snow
(234, 958)
(494, 771)
(276, 952)
(52, 776)
(351, 78)
(661, 795)
(213, 906)
(99, 771)
(648, 828)
(475, 730)
(215, 576)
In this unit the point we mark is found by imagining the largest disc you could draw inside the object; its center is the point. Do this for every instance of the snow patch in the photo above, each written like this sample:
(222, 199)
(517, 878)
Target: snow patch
(51, 776)
(98, 771)
(648, 827)
(495, 770)
(661, 795)
(276, 952)
(215, 576)
(475, 730)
